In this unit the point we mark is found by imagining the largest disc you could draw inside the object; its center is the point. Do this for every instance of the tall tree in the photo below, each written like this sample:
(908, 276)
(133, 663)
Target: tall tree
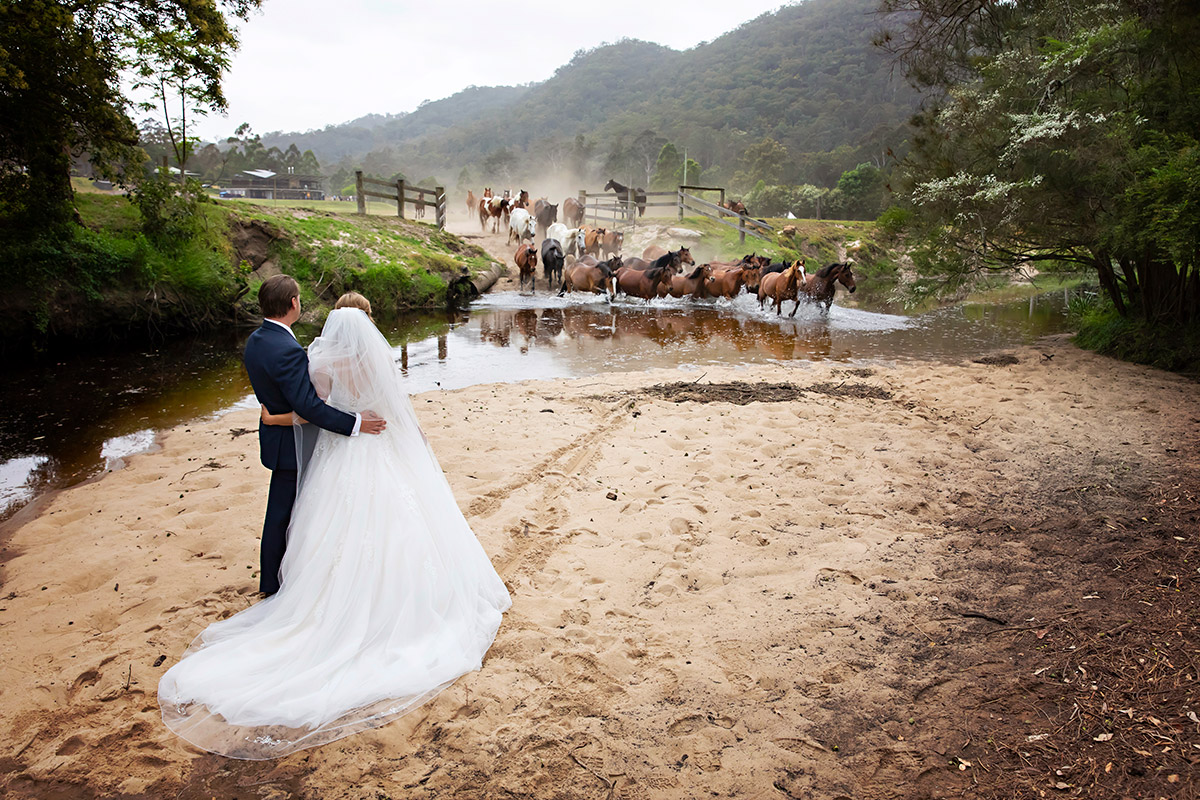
(1061, 131)
(61, 63)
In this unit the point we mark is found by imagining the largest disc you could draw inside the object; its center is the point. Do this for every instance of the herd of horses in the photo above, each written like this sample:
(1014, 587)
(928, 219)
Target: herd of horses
(598, 266)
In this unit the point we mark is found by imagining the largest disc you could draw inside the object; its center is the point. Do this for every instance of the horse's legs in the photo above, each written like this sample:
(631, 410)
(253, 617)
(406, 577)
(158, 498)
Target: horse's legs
(797, 302)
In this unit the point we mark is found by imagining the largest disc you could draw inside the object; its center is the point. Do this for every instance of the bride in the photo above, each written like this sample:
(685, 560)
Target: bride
(386, 596)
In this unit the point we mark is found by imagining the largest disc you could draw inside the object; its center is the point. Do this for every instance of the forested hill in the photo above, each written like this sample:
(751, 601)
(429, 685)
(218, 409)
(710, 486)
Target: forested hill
(807, 76)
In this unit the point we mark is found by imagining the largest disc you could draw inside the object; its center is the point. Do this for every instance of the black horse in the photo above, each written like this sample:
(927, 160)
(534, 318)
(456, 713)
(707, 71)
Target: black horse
(552, 261)
(624, 193)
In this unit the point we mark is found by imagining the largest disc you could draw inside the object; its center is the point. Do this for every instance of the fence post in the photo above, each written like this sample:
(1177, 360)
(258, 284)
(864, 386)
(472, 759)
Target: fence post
(358, 192)
(679, 199)
(741, 229)
(400, 198)
(439, 211)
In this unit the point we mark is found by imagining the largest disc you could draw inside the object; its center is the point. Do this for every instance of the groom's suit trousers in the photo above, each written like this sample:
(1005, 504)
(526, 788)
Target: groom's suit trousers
(278, 369)
(274, 536)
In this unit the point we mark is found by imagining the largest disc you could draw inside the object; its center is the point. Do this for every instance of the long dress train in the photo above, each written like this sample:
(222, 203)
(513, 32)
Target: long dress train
(386, 598)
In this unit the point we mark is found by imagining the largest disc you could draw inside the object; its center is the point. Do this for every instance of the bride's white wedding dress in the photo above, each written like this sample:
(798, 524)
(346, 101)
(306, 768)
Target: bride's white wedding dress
(386, 597)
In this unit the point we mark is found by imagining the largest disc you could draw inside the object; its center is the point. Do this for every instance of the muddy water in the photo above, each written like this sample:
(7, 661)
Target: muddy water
(64, 422)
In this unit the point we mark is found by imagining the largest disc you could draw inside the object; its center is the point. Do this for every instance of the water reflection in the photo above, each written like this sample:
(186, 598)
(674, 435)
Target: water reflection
(62, 422)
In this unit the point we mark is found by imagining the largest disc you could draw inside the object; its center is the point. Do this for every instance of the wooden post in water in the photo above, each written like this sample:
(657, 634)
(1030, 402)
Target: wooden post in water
(358, 192)
(400, 198)
(439, 211)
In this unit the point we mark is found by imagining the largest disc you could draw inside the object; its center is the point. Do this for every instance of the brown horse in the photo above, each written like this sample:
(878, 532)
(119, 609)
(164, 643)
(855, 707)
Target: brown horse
(820, 286)
(598, 278)
(780, 286)
(526, 259)
(736, 206)
(675, 259)
(725, 282)
(694, 284)
(572, 212)
(472, 202)
(593, 240)
(642, 283)
(611, 242)
(653, 251)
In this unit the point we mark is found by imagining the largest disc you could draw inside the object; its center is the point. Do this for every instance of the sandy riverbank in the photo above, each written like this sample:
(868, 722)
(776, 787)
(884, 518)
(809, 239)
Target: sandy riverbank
(787, 598)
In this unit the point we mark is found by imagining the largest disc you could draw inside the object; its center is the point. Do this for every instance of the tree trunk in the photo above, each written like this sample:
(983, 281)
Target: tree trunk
(1108, 280)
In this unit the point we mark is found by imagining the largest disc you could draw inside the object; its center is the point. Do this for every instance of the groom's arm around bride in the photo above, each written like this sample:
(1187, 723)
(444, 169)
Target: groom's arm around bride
(278, 369)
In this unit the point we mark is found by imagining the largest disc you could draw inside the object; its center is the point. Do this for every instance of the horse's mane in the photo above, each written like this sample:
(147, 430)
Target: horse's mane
(825, 272)
(664, 260)
(696, 272)
(653, 274)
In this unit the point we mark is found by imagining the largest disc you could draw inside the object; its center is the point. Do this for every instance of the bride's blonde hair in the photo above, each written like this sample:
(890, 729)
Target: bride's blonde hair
(354, 300)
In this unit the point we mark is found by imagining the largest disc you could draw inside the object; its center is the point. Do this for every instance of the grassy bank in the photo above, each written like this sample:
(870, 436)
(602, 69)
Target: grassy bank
(107, 280)
(1166, 346)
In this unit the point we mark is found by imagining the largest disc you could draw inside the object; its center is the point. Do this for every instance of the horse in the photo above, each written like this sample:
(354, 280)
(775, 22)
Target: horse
(652, 252)
(546, 215)
(611, 243)
(694, 284)
(725, 282)
(472, 202)
(675, 260)
(642, 283)
(419, 206)
(526, 261)
(595, 278)
(736, 206)
(572, 212)
(593, 239)
(780, 286)
(820, 287)
(572, 239)
(493, 208)
(522, 200)
(520, 225)
(552, 261)
(625, 194)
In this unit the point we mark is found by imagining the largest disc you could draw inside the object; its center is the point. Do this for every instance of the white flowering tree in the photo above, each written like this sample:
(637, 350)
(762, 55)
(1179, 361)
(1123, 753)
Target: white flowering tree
(1059, 131)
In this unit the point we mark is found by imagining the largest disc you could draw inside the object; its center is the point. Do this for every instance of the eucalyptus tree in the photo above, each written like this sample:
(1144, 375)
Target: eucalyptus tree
(1055, 130)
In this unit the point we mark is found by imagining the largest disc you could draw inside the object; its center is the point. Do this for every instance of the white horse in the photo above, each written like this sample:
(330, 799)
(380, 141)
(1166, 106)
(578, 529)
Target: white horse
(572, 239)
(520, 225)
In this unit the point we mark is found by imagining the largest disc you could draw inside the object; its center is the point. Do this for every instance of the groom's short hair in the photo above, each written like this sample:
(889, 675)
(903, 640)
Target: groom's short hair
(275, 295)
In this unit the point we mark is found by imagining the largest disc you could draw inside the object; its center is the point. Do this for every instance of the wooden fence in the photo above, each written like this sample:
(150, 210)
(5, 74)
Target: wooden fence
(402, 194)
(608, 209)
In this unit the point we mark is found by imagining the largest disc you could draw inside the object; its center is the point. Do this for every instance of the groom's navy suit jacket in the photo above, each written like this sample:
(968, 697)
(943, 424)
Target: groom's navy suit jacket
(278, 370)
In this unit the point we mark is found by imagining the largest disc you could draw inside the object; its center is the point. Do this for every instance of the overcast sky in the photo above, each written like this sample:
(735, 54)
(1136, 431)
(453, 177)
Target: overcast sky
(305, 64)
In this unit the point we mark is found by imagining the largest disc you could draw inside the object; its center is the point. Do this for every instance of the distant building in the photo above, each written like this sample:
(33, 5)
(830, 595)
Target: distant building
(266, 185)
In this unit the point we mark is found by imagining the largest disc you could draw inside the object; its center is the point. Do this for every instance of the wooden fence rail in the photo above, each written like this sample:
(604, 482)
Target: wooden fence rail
(608, 208)
(402, 194)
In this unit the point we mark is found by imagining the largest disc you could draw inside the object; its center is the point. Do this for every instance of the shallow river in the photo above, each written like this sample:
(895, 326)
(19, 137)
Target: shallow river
(64, 422)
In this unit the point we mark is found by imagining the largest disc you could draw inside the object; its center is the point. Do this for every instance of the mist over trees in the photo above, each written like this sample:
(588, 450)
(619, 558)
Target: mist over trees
(795, 97)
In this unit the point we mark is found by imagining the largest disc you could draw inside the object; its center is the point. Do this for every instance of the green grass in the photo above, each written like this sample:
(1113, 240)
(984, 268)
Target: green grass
(1165, 346)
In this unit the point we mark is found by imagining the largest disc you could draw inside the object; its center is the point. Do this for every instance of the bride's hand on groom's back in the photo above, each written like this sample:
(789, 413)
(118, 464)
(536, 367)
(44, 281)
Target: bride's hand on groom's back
(372, 423)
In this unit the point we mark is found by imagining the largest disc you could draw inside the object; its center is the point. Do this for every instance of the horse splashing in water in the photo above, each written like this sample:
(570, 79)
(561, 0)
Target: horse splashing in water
(526, 259)
(821, 285)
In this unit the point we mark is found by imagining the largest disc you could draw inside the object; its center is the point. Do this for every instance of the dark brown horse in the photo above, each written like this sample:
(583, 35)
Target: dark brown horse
(597, 278)
(642, 283)
(675, 259)
(626, 194)
(821, 286)
(572, 211)
(526, 259)
(780, 286)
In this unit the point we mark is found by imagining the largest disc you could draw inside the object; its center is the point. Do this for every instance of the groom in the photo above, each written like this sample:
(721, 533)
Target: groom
(278, 370)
